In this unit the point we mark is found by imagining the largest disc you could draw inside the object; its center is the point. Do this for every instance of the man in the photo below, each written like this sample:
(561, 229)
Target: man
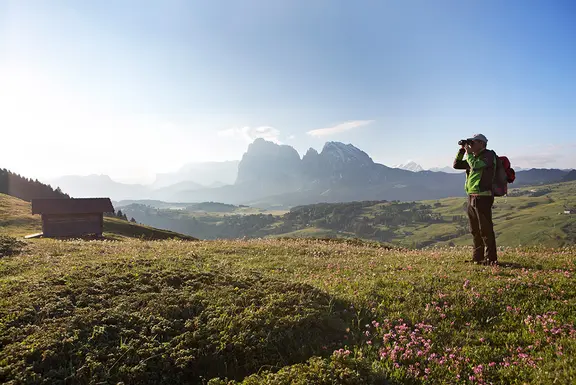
(480, 165)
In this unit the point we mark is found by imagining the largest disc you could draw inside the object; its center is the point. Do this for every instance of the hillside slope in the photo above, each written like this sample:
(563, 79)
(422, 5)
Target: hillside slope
(529, 216)
(16, 220)
(282, 312)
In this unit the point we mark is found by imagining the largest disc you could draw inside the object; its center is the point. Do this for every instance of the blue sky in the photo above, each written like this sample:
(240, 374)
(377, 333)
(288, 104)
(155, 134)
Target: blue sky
(132, 88)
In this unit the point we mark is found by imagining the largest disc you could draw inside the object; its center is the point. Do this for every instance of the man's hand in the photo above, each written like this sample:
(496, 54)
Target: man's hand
(468, 149)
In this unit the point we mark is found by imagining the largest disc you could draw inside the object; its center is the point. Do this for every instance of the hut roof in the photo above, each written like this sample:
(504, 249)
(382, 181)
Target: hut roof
(72, 206)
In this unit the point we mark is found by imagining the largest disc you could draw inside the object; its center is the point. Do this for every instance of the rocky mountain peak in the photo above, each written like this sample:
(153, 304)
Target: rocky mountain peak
(263, 147)
(266, 160)
(311, 153)
(345, 153)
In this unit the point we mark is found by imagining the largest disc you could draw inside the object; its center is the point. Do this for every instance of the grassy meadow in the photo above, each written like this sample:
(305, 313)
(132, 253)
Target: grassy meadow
(293, 311)
(126, 310)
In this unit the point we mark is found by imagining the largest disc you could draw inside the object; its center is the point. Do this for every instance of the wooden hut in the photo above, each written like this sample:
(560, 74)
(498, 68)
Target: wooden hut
(72, 217)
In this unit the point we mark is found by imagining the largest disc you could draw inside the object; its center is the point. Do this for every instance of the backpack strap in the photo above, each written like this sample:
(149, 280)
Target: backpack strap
(494, 166)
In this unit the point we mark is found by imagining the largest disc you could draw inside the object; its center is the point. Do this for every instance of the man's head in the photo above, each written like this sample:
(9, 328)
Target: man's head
(479, 142)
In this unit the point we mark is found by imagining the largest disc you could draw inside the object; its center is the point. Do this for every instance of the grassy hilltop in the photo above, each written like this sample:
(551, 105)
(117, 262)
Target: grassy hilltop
(272, 311)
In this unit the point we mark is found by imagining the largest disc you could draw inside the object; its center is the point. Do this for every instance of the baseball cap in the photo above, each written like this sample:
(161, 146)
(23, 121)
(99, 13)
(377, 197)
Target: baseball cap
(479, 137)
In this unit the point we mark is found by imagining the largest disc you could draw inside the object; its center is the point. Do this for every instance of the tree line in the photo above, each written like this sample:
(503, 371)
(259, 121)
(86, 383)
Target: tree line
(120, 215)
(27, 189)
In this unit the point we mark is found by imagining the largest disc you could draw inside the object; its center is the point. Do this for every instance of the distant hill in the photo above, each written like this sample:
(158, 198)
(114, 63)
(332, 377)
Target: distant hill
(539, 176)
(212, 207)
(25, 188)
(150, 202)
(571, 176)
(529, 216)
(209, 174)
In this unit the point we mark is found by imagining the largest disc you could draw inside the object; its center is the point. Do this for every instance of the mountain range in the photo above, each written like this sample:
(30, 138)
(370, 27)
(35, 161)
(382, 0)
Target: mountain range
(205, 174)
(273, 175)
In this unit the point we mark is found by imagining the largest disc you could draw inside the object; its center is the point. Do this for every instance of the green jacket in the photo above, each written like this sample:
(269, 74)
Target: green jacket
(479, 171)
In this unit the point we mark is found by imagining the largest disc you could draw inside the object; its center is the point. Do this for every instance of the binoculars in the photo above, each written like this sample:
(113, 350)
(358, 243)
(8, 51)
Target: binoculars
(463, 142)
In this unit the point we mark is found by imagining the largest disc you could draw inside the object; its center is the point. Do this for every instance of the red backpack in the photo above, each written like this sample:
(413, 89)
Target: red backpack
(503, 175)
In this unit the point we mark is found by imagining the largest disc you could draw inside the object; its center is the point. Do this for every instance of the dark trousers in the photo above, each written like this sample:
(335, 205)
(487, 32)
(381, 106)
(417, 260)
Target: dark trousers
(482, 228)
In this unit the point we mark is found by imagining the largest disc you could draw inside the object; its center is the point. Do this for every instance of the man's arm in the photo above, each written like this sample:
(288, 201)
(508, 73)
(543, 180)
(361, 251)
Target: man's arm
(459, 163)
(480, 162)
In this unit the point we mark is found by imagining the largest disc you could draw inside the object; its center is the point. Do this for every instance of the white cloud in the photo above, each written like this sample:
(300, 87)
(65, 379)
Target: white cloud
(250, 133)
(339, 128)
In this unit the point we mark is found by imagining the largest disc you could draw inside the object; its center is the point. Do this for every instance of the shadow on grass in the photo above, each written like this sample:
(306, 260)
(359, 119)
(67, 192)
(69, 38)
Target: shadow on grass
(513, 265)
(10, 246)
(158, 326)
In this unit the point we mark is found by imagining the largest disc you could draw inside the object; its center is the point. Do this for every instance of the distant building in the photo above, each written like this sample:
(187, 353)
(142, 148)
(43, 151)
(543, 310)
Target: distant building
(72, 217)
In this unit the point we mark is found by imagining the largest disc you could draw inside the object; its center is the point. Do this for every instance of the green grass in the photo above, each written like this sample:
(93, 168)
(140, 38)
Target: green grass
(294, 311)
(16, 217)
(314, 232)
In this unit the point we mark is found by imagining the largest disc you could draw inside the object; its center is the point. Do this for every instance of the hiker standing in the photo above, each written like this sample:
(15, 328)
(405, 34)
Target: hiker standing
(480, 165)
